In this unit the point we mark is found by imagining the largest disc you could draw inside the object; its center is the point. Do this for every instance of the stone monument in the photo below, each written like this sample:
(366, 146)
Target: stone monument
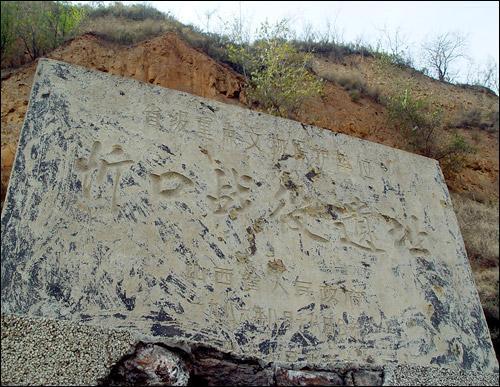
(179, 218)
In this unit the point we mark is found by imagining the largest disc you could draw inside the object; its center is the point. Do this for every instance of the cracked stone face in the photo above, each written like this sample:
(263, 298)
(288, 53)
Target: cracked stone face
(176, 217)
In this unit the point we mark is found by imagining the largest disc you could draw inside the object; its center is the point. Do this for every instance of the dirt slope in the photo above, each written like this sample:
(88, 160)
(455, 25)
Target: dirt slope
(168, 61)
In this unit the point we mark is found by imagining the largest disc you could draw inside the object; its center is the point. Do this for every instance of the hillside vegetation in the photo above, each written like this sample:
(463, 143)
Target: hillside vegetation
(357, 90)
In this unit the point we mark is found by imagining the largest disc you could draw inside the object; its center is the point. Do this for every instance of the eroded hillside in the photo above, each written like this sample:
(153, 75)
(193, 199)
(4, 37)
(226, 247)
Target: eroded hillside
(168, 61)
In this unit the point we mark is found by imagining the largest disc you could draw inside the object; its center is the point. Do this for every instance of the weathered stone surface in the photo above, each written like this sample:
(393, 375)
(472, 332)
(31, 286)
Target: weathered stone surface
(367, 377)
(179, 218)
(216, 368)
(285, 377)
(149, 365)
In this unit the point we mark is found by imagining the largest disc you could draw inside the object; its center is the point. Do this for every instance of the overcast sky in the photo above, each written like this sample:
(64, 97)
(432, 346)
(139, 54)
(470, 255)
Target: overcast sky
(416, 21)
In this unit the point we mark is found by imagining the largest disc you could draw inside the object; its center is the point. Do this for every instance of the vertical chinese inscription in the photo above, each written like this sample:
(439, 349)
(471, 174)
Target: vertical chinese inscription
(153, 116)
(114, 161)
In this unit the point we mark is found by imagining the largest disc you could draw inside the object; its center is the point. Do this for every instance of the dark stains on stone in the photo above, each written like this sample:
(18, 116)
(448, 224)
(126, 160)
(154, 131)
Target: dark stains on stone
(480, 328)
(440, 309)
(251, 240)
(85, 317)
(323, 306)
(329, 209)
(183, 250)
(312, 339)
(217, 250)
(211, 108)
(284, 157)
(204, 229)
(277, 165)
(267, 347)
(344, 317)
(307, 307)
(173, 280)
(248, 327)
(258, 184)
(237, 237)
(127, 182)
(120, 316)
(241, 339)
(34, 152)
(166, 330)
(122, 93)
(55, 290)
(209, 288)
(311, 174)
(469, 358)
(129, 302)
(289, 184)
(61, 71)
(159, 316)
(165, 148)
(237, 300)
(299, 339)
(283, 328)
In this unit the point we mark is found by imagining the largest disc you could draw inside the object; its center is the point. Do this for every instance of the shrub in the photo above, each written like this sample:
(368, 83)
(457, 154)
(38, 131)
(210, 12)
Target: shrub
(276, 72)
(409, 113)
(355, 95)
(421, 125)
(36, 27)
(453, 155)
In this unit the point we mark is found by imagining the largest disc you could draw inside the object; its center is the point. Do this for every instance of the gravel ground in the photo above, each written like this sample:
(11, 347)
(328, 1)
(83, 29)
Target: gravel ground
(46, 352)
(409, 375)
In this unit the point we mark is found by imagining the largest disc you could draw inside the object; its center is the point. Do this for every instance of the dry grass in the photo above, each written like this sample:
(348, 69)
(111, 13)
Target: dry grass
(125, 31)
(480, 230)
(352, 82)
(479, 225)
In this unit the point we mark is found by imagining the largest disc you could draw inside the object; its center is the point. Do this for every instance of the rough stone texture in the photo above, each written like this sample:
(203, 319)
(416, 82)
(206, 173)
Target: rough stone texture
(43, 352)
(179, 218)
(149, 365)
(412, 375)
(367, 377)
(216, 368)
(286, 377)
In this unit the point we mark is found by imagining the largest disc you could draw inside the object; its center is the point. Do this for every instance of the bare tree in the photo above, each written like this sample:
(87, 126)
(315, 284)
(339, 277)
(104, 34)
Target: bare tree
(205, 18)
(396, 44)
(489, 76)
(485, 75)
(441, 51)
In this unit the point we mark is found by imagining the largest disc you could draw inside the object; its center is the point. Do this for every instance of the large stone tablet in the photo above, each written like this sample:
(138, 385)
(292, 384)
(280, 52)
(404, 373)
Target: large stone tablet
(134, 206)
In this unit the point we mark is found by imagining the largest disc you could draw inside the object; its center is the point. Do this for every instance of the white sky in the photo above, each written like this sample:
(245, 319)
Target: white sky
(477, 20)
